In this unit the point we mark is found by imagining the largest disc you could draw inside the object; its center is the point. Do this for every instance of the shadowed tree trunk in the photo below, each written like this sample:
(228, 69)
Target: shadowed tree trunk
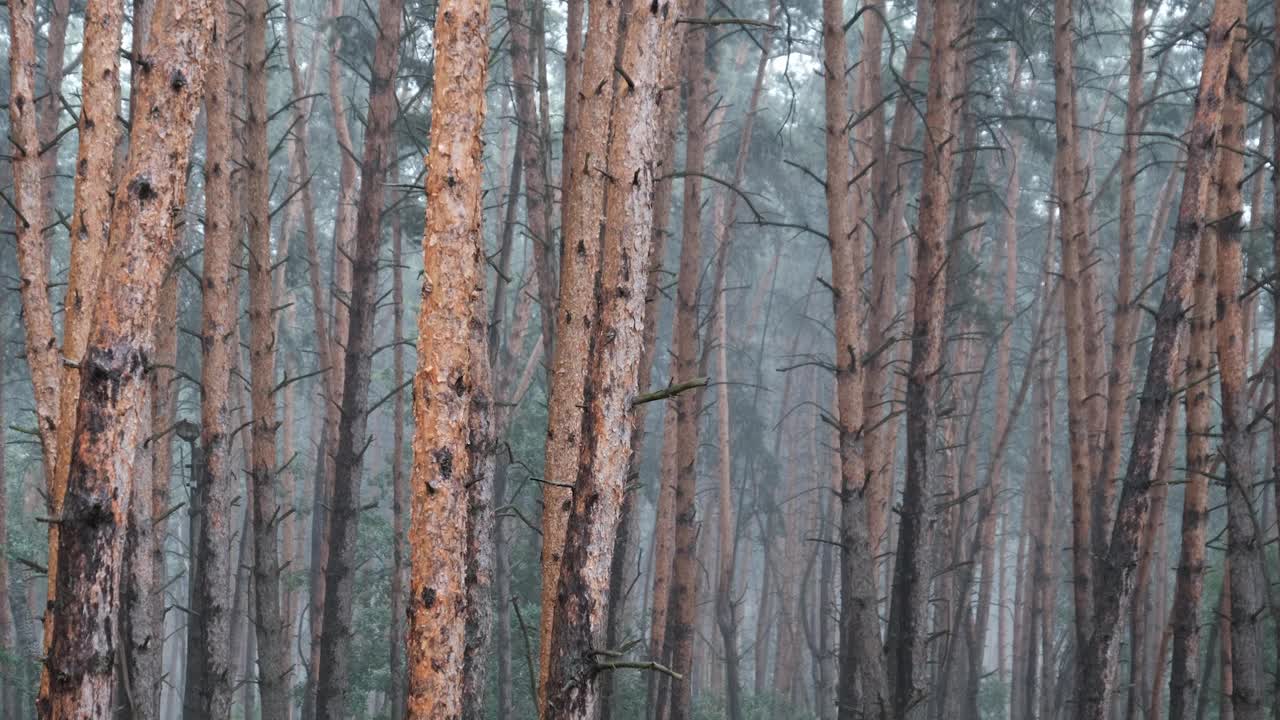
(1244, 534)
(269, 623)
(908, 612)
(861, 690)
(336, 627)
(208, 686)
(452, 262)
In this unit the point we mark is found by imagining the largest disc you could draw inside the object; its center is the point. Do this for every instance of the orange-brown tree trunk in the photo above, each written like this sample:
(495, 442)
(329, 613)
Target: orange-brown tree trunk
(616, 346)
(452, 261)
(114, 400)
(575, 311)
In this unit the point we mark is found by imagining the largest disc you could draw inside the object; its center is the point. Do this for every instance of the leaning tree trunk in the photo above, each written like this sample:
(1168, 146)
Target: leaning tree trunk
(908, 612)
(575, 312)
(1244, 534)
(114, 400)
(452, 256)
(1095, 658)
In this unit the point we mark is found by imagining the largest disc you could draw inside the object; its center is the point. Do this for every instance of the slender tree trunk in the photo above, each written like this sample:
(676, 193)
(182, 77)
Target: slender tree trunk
(208, 687)
(452, 257)
(1095, 659)
(861, 691)
(113, 404)
(1244, 535)
(399, 490)
(575, 313)
(908, 613)
(10, 677)
(274, 672)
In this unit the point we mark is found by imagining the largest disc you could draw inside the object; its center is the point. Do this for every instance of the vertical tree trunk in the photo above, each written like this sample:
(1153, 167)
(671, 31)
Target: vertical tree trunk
(452, 262)
(575, 311)
(908, 613)
(1095, 658)
(1244, 535)
(533, 160)
(616, 338)
(481, 442)
(274, 668)
(684, 597)
(10, 685)
(399, 490)
(861, 691)
(208, 686)
(113, 398)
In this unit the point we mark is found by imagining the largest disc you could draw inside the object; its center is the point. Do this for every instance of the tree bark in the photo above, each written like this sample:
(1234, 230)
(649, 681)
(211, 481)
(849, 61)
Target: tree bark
(908, 613)
(577, 654)
(274, 666)
(861, 691)
(113, 392)
(575, 312)
(452, 261)
(1095, 658)
(1245, 557)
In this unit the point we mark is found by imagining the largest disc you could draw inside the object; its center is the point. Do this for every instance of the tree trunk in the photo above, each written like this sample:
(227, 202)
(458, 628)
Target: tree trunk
(616, 339)
(113, 404)
(399, 490)
(684, 597)
(1095, 659)
(208, 687)
(452, 262)
(1244, 535)
(908, 613)
(575, 313)
(273, 677)
(479, 553)
(861, 691)
(10, 677)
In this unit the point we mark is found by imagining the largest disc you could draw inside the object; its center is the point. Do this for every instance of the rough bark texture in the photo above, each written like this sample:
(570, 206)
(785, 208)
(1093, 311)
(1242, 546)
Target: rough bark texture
(862, 690)
(1095, 658)
(113, 398)
(575, 311)
(908, 613)
(340, 574)
(452, 262)
(616, 344)
(399, 489)
(1244, 534)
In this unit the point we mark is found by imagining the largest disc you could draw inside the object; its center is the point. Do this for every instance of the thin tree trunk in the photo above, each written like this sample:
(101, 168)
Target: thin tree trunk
(479, 553)
(452, 257)
(399, 490)
(269, 625)
(1095, 661)
(861, 690)
(908, 613)
(113, 404)
(10, 678)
